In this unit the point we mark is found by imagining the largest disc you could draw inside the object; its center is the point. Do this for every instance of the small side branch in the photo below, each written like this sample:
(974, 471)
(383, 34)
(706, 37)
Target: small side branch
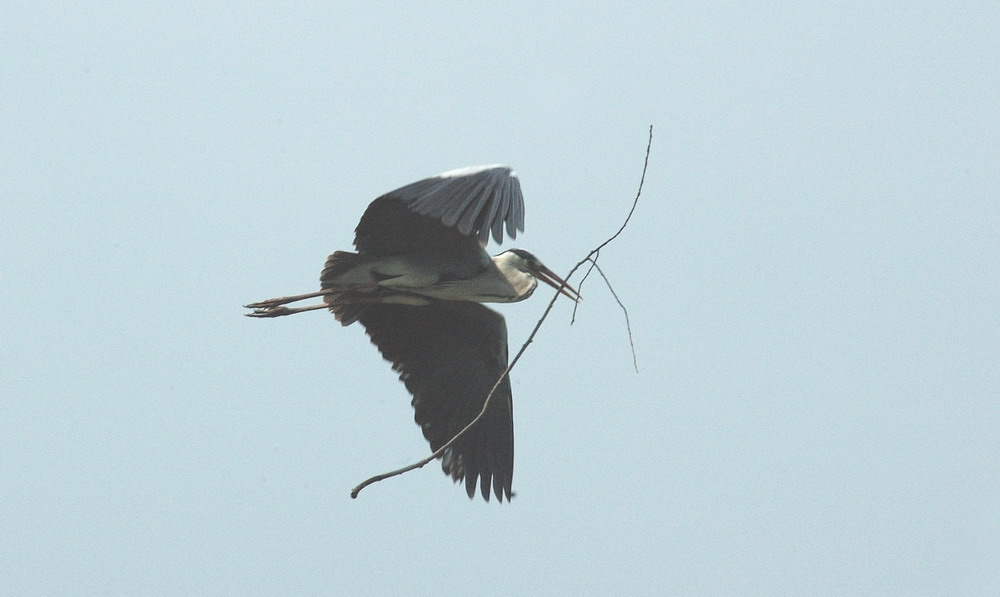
(592, 258)
(628, 324)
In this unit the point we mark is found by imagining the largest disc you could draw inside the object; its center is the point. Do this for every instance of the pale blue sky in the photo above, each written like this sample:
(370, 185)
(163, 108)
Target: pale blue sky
(812, 277)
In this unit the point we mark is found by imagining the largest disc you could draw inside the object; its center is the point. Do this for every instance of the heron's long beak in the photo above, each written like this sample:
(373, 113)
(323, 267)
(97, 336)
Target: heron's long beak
(549, 277)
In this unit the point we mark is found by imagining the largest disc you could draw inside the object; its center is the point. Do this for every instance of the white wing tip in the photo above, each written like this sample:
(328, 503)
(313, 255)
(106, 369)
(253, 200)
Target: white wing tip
(500, 169)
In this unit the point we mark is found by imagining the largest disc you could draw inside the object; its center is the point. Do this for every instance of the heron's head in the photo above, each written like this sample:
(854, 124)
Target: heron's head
(523, 261)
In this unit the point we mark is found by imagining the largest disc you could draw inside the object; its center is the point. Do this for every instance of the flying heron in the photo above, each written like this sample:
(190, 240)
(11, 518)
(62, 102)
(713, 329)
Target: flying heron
(416, 284)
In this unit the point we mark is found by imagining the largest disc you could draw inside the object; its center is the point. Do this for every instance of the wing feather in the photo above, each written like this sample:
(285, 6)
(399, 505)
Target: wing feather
(449, 355)
(469, 202)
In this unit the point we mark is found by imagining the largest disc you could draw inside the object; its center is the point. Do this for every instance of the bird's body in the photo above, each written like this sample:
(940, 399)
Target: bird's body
(415, 277)
(416, 284)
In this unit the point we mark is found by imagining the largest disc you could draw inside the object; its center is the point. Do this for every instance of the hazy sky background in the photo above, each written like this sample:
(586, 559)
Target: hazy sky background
(812, 275)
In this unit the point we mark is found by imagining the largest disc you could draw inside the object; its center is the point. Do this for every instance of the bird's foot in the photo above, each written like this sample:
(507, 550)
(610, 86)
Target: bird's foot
(268, 304)
(263, 310)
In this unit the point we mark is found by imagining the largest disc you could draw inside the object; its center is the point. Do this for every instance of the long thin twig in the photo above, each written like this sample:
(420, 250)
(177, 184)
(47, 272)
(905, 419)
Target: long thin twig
(486, 403)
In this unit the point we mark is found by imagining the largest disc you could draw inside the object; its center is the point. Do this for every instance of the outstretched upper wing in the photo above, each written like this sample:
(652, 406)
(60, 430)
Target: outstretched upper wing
(444, 212)
(449, 355)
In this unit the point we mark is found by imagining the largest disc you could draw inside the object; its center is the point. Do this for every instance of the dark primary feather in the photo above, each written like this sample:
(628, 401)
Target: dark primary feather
(449, 354)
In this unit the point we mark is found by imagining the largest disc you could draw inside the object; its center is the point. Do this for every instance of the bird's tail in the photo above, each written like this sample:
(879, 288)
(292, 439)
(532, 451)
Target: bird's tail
(339, 301)
(337, 265)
